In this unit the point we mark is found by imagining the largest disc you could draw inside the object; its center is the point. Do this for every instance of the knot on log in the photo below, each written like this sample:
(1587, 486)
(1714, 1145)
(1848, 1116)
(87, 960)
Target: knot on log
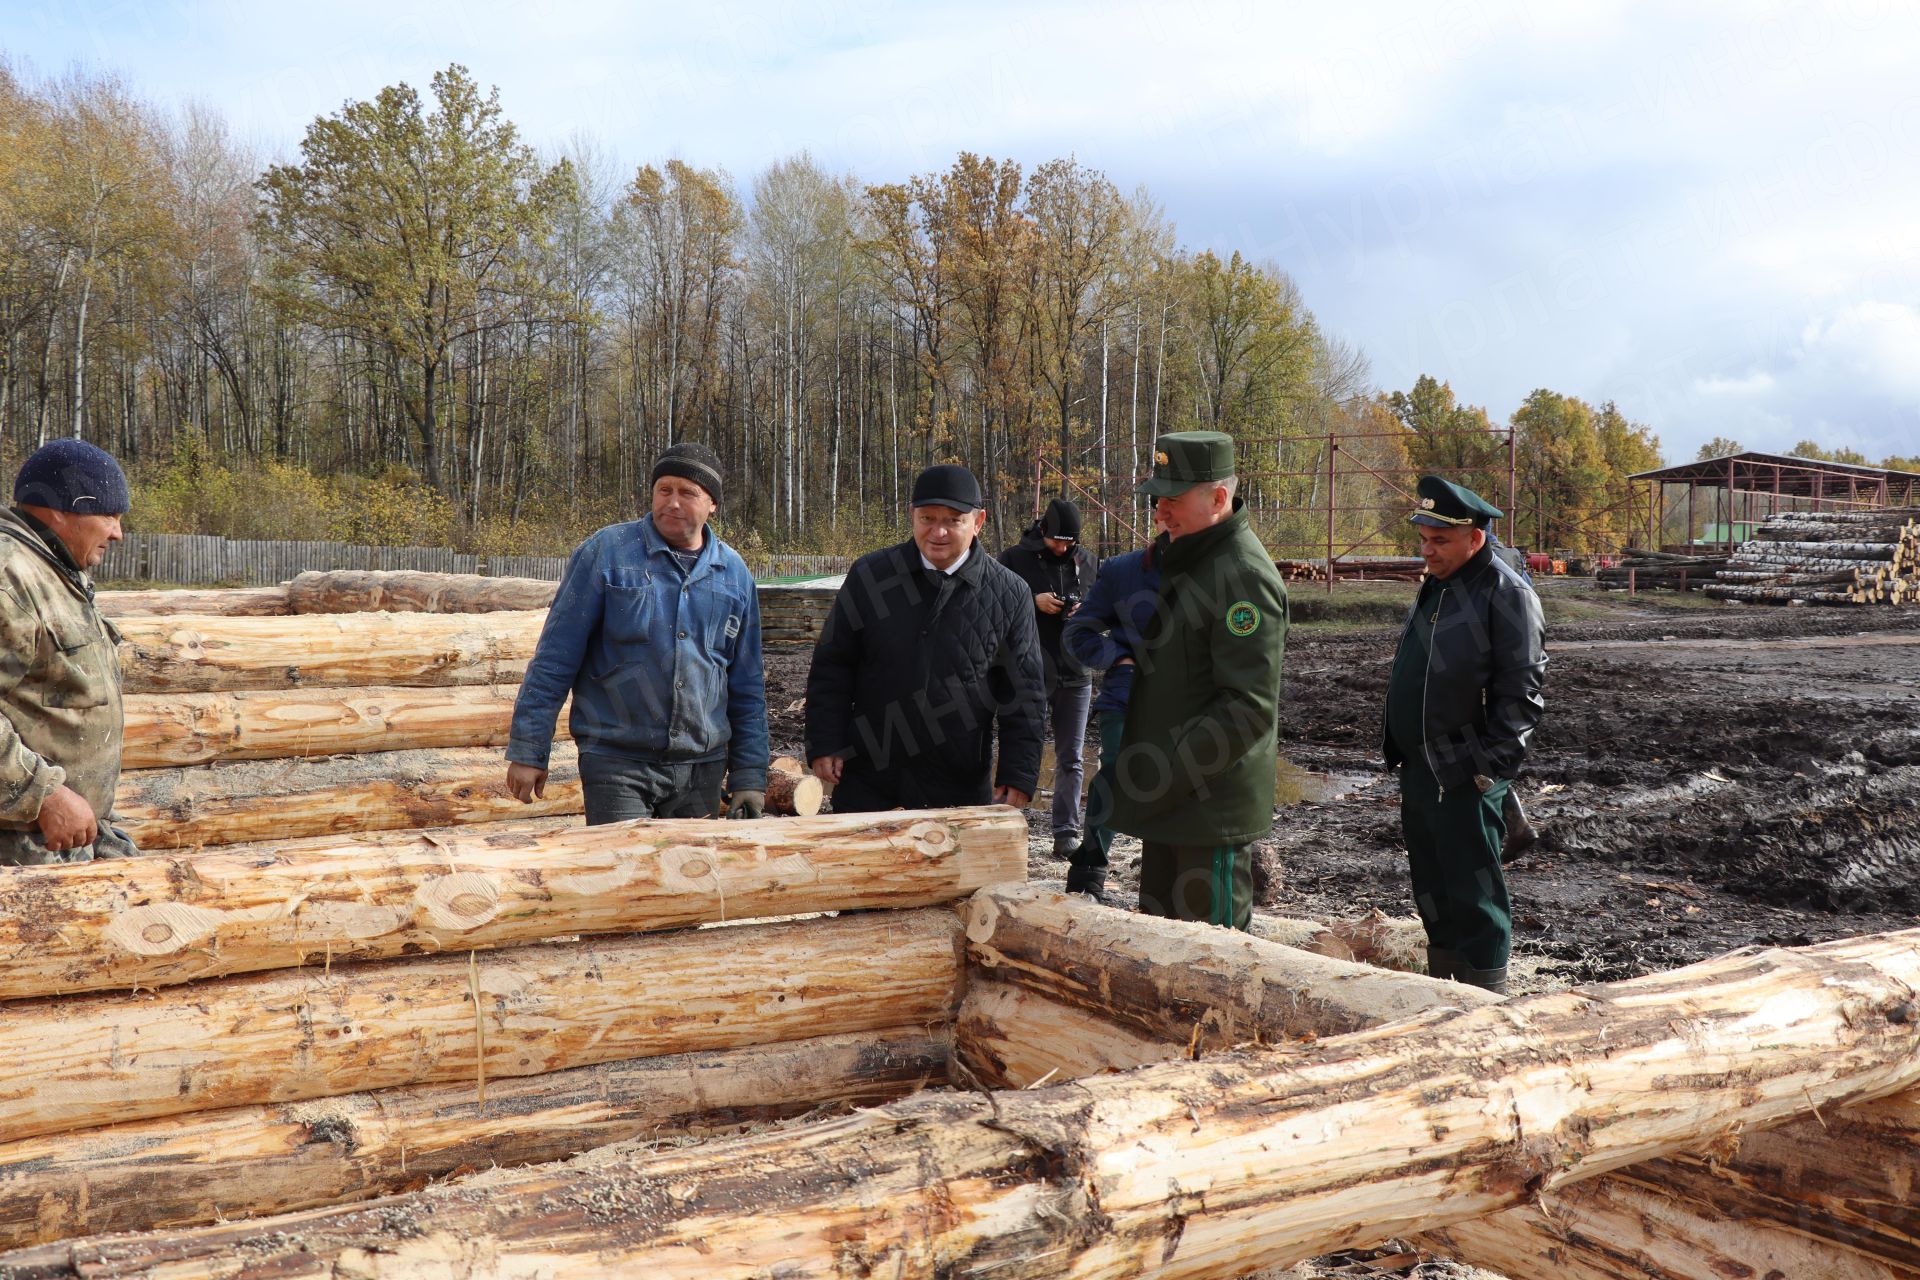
(932, 839)
(462, 900)
(162, 928)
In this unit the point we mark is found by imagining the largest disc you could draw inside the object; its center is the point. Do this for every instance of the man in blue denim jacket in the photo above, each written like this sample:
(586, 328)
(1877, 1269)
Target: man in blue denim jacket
(655, 632)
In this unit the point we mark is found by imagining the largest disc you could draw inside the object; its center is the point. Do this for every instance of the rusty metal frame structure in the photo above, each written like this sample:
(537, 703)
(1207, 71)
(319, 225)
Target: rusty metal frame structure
(1330, 549)
(1775, 477)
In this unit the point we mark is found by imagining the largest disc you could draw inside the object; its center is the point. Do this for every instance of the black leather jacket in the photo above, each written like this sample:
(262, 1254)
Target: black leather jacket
(1484, 672)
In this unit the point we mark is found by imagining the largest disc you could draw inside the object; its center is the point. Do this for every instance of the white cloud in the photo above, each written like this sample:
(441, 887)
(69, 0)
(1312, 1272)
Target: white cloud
(1874, 344)
(1755, 383)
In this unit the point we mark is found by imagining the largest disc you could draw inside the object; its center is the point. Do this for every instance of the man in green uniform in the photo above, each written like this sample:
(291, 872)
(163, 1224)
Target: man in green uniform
(60, 715)
(1194, 779)
(1462, 702)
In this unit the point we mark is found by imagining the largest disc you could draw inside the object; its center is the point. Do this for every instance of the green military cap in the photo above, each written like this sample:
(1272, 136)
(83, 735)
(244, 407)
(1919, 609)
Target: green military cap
(1183, 459)
(1448, 505)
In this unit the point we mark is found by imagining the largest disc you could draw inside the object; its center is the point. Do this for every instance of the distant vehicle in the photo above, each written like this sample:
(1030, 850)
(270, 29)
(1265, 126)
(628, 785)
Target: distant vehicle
(1541, 562)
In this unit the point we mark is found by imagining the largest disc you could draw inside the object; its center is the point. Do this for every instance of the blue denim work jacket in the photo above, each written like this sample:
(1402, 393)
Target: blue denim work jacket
(662, 665)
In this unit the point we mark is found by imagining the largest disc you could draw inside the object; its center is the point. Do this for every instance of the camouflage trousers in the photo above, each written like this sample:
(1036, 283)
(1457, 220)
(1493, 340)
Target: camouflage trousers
(24, 849)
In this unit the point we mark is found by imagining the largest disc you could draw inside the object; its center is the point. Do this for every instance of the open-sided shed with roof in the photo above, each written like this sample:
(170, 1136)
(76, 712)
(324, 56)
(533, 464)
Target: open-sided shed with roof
(1744, 488)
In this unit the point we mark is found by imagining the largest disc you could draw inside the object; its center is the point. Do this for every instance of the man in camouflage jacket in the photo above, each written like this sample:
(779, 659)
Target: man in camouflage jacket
(60, 712)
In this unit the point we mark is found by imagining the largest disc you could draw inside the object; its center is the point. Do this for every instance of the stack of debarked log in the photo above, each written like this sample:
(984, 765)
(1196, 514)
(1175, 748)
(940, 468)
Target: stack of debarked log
(1750, 1116)
(338, 702)
(192, 1038)
(1643, 570)
(1828, 557)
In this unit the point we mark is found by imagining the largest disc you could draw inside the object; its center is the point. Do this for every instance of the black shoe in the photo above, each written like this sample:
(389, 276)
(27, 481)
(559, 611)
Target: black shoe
(1494, 980)
(1442, 963)
(1093, 887)
(1517, 843)
(1521, 835)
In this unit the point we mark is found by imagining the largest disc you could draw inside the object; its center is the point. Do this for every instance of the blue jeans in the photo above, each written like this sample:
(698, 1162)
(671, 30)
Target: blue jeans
(616, 789)
(1068, 708)
(1088, 869)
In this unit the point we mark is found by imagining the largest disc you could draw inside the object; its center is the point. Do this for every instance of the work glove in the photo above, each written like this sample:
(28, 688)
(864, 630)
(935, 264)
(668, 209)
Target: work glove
(747, 804)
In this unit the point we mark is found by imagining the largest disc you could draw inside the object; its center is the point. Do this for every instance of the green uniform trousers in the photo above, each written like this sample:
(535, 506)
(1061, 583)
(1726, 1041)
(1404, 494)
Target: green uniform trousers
(1212, 883)
(1453, 855)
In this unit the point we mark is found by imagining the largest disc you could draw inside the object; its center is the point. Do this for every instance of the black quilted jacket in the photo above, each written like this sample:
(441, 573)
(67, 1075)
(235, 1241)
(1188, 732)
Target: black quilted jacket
(913, 671)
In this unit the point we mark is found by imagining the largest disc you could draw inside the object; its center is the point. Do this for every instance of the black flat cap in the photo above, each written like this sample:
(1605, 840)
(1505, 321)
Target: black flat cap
(947, 485)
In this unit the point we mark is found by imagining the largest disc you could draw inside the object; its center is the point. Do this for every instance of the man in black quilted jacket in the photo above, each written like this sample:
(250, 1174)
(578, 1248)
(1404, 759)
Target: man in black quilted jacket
(930, 647)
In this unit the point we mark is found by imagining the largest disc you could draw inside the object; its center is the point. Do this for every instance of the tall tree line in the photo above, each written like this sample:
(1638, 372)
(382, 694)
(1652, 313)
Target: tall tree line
(420, 294)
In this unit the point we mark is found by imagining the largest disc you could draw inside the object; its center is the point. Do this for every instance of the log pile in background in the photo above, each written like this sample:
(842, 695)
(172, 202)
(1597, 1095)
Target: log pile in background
(793, 615)
(1355, 569)
(1828, 558)
(790, 614)
(1644, 570)
(404, 591)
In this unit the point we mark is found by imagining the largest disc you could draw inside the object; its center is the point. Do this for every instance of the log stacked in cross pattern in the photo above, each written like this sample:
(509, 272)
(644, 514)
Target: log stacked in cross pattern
(1643, 570)
(1828, 558)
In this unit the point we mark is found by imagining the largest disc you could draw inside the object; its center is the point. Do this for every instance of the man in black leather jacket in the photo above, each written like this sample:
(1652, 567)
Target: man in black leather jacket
(1462, 703)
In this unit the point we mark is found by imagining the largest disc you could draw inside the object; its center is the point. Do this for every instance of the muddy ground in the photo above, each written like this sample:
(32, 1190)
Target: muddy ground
(1706, 778)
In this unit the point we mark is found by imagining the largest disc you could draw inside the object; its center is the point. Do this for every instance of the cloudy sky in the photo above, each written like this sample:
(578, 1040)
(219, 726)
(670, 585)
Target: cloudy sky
(1708, 212)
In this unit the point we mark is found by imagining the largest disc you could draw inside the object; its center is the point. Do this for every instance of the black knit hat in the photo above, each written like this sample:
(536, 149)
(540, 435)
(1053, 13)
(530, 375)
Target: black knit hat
(693, 462)
(1061, 521)
(72, 475)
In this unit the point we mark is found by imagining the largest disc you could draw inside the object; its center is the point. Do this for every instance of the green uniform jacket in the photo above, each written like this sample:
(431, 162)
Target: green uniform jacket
(60, 713)
(1196, 765)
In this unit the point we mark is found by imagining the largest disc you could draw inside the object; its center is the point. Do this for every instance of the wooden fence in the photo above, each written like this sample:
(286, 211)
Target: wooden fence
(195, 560)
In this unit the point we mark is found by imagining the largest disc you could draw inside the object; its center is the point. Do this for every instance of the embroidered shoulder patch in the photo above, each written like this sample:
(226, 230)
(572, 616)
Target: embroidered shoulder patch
(1243, 618)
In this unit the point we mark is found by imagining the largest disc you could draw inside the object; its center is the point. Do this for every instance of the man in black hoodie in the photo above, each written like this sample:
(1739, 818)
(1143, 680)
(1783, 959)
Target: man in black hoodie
(1059, 572)
(928, 649)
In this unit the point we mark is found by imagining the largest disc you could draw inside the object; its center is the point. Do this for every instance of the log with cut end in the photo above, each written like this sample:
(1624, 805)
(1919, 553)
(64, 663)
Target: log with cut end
(793, 793)
(200, 654)
(247, 1161)
(1192, 984)
(1377, 939)
(380, 791)
(174, 729)
(1188, 1169)
(154, 921)
(405, 591)
(227, 602)
(1009, 1037)
(75, 1062)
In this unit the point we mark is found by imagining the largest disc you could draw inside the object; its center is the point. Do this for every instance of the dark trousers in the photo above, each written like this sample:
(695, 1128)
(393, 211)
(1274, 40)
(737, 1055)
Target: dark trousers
(1453, 857)
(1197, 882)
(1068, 710)
(1088, 867)
(616, 789)
(863, 791)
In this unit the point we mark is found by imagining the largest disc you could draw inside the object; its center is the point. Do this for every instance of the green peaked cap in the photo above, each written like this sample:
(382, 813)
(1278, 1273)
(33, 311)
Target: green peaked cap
(1183, 459)
(1447, 505)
